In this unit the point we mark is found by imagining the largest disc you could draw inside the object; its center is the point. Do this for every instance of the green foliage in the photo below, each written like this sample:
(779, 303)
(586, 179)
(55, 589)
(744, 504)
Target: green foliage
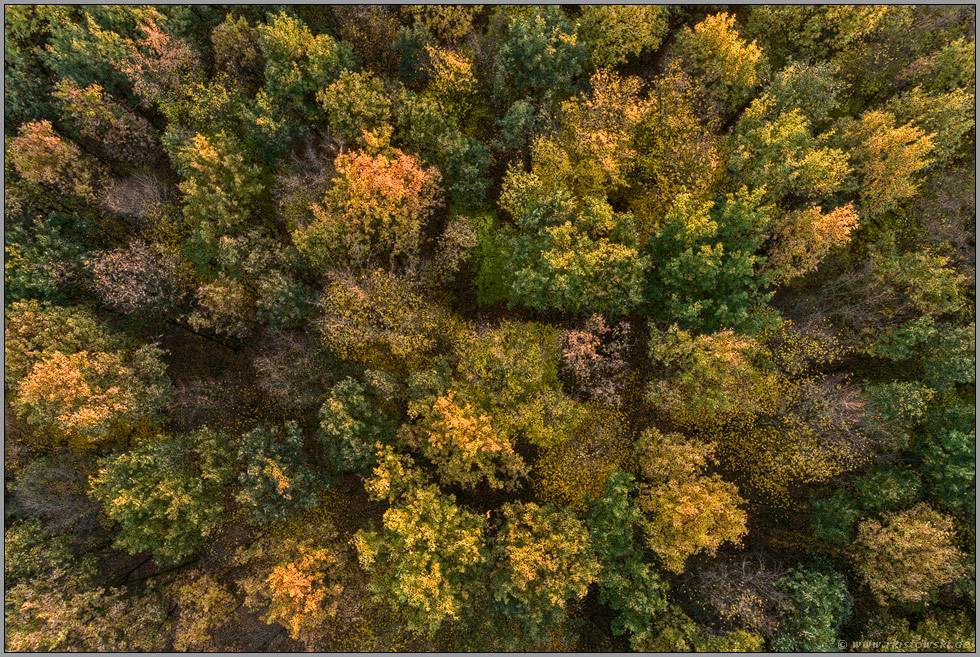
(813, 89)
(947, 458)
(276, 480)
(947, 118)
(421, 127)
(706, 263)
(705, 375)
(614, 33)
(942, 353)
(26, 87)
(900, 405)
(888, 489)
(489, 261)
(461, 327)
(298, 65)
(676, 632)
(355, 103)
(820, 605)
(29, 552)
(778, 151)
(166, 494)
(539, 57)
(589, 152)
(833, 518)
(352, 426)
(220, 190)
(951, 67)
(627, 584)
(948, 631)
(94, 46)
(570, 257)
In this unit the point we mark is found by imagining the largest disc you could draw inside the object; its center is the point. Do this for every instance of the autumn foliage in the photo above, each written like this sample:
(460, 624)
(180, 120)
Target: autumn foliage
(489, 328)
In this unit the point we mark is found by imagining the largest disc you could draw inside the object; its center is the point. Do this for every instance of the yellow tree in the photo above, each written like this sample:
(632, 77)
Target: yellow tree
(686, 511)
(906, 556)
(728, 66)
(462, 443)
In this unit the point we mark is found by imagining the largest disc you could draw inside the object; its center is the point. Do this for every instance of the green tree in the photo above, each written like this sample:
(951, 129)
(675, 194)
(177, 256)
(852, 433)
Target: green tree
(944, 117)
(276, 479)
(540, 57)
(570, 257)
(948, 448)
(167, 494)
(704, 374)
(352, 426)
(820, 605)
(779, 151)
(356, 103)
(421, 127)
(627, 584)
(298, 65)
(220, 189)
(888, 489)
(614, 33)
(834, 517)
(707, 266)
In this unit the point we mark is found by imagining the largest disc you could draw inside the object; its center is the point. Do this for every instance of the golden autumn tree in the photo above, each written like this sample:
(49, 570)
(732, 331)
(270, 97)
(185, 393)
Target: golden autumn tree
(542, 559)
(382, 321)
(373, 214)
(907, 555)
(82, 395)
(686, 510)
(303, 576)
(462, 443)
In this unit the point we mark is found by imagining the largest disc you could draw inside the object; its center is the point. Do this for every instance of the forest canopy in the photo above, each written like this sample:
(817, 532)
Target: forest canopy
(489, 328)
